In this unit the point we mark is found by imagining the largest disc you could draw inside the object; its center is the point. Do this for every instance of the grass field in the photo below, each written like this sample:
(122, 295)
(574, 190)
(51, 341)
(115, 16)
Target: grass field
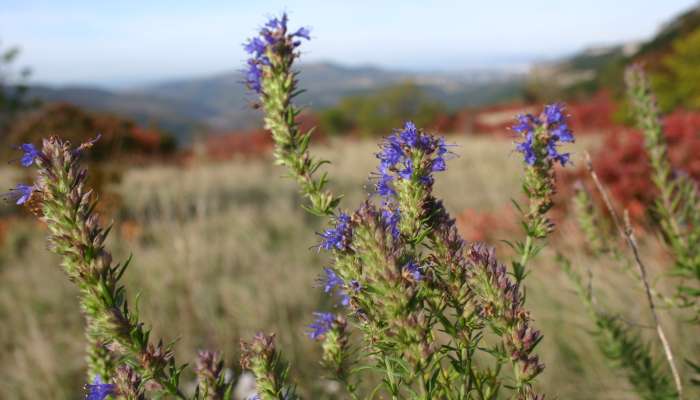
(223, 250)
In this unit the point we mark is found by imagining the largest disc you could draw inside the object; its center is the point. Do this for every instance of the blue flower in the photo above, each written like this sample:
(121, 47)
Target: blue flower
(527, 149)
(337, 238)
(345, 297)
(391, 153)
(20, 193)
(332, 280)
(384, 188)
(554, 154)
(99, 390)
(409, 135)
(322, 324)
(31, 153)
(275, 23)
(391, 220)
(554, 114)
(562, 133)
(414, 270)
(438, 165)
(541, 136)
(254, 76)
(303, 33)
(526, 123)
(255, 46)
(407, 172)
(398, 153)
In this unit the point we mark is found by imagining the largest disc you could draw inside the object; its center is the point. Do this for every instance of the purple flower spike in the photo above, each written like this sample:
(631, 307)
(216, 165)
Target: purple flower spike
(20, 194)
(401, 150)
(322, 324)
(544, 133)
(272, 39)
(99, 390)
(31, 153)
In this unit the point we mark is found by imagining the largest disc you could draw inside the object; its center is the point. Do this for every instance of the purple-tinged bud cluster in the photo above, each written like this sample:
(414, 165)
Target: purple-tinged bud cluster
(399, 153)
(550, 129)
(337, 238)
(273, 37)
(502, 299)
(99, 390)
(321, 326)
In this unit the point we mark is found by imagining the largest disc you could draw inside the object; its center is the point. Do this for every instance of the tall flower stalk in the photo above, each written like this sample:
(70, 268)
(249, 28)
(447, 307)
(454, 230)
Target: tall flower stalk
(541, 137)
(270, 75)
(677, 206)
(421, 298)
(67, 206)
(122, 358)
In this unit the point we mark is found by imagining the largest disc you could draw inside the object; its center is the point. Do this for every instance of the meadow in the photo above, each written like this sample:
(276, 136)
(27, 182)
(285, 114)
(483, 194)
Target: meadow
(222, 250)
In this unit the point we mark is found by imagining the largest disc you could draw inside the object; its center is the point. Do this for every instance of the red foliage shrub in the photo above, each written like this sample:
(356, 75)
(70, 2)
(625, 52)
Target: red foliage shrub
(484, 226)
(590, 116)
(246, 144)
(623, 166)
(256, 143)
(593, 115)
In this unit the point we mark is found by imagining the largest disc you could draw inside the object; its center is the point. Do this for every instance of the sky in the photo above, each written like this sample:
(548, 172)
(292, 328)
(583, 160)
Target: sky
(113, 43)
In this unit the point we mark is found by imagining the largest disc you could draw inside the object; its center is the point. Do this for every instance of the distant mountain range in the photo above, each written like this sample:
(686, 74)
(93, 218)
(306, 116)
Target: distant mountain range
(221, 103)
(602, 67)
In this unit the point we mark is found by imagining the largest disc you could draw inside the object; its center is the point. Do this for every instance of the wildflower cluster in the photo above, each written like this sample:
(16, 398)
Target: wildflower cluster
(541, 137)
(271, 78)
(400, 268)
(272, 41)
(123, 360)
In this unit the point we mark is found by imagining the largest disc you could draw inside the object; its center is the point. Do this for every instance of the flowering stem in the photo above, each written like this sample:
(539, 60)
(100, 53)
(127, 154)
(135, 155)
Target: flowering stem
(76, 236)
(271, 76)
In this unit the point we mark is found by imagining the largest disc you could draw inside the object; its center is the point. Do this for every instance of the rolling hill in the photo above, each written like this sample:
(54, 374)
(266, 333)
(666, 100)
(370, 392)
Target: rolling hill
(221, 103)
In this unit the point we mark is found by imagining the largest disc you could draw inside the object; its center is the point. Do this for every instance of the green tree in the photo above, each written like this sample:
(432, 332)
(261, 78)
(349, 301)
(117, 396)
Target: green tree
(379, 112)
(677, 82)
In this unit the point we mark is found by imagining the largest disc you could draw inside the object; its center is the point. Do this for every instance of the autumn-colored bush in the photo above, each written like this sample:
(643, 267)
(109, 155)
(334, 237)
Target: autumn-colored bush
(120, 137)
(623, 166)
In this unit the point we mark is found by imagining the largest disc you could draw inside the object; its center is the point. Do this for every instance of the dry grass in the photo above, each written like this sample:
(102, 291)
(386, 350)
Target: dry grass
(223, 250)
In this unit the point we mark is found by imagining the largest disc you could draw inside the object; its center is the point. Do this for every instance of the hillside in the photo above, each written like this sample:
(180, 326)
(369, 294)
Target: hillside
(220, 102)
(590, 70)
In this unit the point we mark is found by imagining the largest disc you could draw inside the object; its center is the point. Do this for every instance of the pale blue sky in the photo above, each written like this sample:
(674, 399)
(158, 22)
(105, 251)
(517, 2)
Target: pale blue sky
(116, 42)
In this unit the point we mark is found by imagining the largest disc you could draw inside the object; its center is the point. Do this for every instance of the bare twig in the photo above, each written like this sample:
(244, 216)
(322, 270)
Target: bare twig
(627, 233)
